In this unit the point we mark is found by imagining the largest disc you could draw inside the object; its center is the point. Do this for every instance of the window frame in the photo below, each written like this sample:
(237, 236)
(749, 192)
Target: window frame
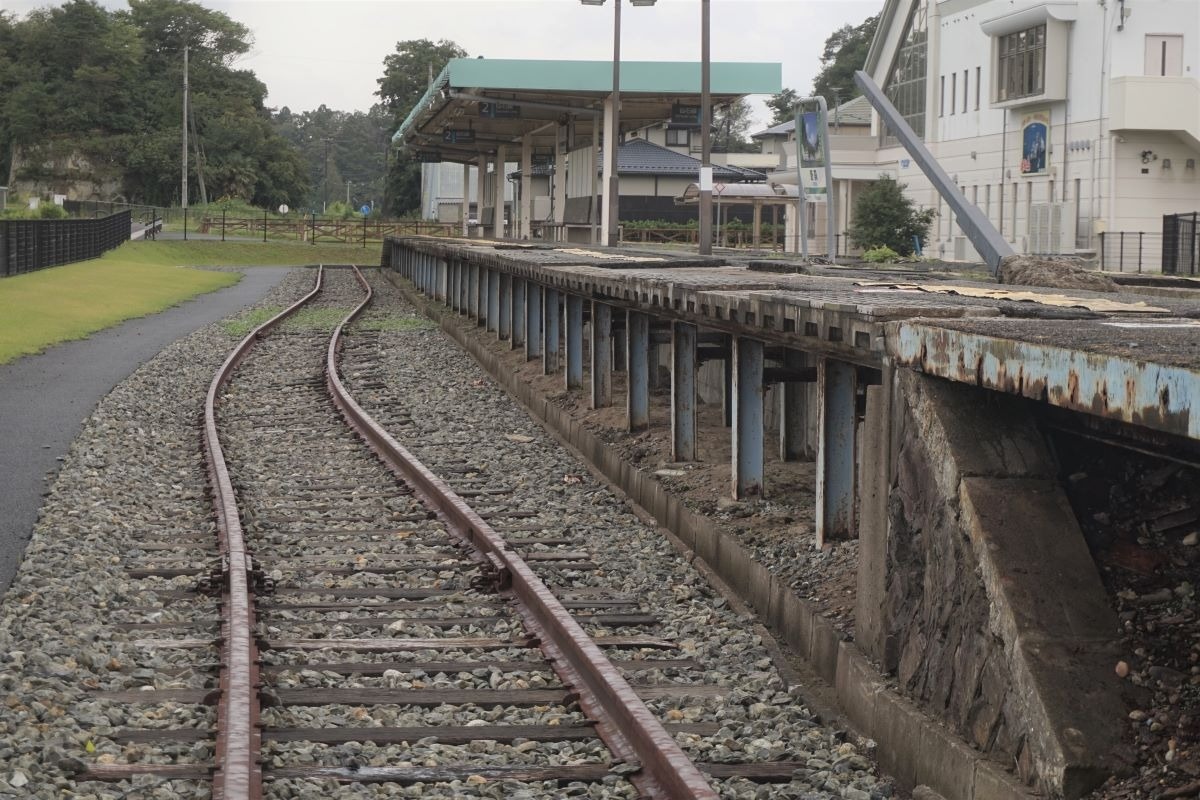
(1021, 63)
(673, 132)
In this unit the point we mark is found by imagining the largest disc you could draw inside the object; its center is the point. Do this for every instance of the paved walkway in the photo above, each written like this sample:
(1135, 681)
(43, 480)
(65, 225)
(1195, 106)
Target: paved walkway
(45, 397)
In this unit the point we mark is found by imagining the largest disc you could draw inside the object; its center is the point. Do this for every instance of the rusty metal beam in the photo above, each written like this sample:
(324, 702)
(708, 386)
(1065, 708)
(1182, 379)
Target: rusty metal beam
(1155, 396)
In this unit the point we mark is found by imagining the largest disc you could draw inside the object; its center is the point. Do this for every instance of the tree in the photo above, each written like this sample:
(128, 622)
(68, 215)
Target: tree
(405, 79)
(883, 215)
(783, 105)
(731, 123)
(845, 53)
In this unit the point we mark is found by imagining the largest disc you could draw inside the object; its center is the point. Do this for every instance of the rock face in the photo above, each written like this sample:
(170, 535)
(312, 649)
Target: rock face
(995, 616)
(1033, 271)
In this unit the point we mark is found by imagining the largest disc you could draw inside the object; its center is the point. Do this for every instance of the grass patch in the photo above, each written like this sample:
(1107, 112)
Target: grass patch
(395, 323)
(203, 253)
(50, 306)
(243, 323)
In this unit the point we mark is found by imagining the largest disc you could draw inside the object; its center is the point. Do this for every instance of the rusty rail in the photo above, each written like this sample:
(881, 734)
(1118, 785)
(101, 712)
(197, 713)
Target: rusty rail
(623, 721)
(238, 774)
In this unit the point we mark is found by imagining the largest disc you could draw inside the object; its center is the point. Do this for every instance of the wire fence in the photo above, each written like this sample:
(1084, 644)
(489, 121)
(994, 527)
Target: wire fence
(31, 244)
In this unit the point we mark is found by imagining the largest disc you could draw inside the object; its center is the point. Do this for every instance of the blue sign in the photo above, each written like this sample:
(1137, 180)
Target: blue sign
(499, 110)
(366, 209)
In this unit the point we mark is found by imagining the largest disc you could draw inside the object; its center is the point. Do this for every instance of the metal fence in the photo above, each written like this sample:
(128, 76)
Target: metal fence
(316, 229)
(1131, 251)
(1181, 244)
(31, 244)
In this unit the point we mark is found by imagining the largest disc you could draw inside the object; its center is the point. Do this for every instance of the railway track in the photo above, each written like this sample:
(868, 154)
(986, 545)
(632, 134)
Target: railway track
(380, 632)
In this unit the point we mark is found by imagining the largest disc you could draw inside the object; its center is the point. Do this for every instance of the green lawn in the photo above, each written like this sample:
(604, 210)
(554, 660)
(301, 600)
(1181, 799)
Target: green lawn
(50, 306)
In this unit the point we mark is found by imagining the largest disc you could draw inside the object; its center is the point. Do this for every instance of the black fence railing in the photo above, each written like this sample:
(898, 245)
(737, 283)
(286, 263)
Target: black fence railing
(1130, 251)
(30, 244)
(1181, 244)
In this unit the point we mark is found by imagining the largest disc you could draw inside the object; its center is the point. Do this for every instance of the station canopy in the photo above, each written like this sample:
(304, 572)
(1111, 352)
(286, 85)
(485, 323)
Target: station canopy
(476, 105)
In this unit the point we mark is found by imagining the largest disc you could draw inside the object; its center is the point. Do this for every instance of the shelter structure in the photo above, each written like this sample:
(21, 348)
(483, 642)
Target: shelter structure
(480, 111)
(754, 195)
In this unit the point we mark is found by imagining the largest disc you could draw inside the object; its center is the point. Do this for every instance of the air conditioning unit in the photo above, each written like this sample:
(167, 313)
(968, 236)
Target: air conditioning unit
(1051, 229)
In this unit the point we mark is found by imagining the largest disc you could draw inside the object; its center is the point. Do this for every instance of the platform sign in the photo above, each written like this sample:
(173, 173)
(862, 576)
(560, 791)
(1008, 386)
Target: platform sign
(499, 111)
(458, 136)
(685, 115)
(815, 190)
(814, 170)
(366, 209)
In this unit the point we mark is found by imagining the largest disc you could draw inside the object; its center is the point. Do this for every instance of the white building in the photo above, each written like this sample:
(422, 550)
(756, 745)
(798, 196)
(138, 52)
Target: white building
(1060, 119)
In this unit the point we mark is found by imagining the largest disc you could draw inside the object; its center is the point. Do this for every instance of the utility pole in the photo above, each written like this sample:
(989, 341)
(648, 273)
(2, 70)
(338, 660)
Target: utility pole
(325, 178)
(706, 181)
(184, 192)
(347, 192)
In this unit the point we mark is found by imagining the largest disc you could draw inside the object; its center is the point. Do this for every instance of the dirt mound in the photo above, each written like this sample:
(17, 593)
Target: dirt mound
(1030, 271)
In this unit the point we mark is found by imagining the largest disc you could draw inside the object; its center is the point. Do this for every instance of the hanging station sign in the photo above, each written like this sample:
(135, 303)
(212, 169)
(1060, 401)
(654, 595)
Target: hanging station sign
(685, 115)
(499, 111)
(458, 136)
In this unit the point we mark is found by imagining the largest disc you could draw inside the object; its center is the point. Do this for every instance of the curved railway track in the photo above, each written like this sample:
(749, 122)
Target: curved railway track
(376, 630)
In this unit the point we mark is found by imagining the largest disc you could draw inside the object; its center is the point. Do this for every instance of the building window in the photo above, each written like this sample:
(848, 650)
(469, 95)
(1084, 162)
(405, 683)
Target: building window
(678, 137)
(942, 98)
(1164, 55)
(1021, 67)
(953, 91)
(905, 85)
(966, 90)
(978, 85)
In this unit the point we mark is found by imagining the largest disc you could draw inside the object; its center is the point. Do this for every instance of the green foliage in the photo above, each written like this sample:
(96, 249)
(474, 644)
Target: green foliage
(357, 144)
(405, 79)
(845, 53)
(51, 211)
(80, 80)
(881, 255)
(731, 123)
(783, 105)
(884, 216)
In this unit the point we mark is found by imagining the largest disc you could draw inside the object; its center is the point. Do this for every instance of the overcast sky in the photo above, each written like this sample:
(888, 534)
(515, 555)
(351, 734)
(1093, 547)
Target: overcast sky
(310, 52)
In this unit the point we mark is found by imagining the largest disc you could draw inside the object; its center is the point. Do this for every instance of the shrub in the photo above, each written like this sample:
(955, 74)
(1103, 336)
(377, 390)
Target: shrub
(51, 211)
(880, 255)
(884, 217)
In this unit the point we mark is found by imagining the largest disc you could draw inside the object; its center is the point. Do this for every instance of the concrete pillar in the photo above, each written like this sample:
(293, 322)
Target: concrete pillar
(637, 383)
(747, 417)
(609, 168)
(493, 300)
(618, 348)
(505, 326)
(466, 199)
(550, 330)
(875, 485)
(533, 320)
(837, 382)
(527, 186)
(480, 180)
(757, 241)
(500, 182)
(601, 354)
(683, 392)
(518, 312)
(574, 342)
(561, 146)
(727, 394)
(794, 411)
(594, 216)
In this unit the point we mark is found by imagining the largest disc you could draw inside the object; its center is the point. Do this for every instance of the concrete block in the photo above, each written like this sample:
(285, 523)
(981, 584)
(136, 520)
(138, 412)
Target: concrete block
(945, 764)
(897, 731)
(858, 685)
(825, 643)
(793, 617)
(875, 485)
(992, 782)
(759, 590)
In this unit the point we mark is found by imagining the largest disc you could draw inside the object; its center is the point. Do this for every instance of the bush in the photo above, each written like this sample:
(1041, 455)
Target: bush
(881, 255)
(884, 217)
(51, 211)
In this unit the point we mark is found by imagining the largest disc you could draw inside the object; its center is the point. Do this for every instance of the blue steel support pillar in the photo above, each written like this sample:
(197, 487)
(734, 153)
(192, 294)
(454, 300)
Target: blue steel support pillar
(473, 291)
(836, 388)
(493, 300)
(747, 417)
(552, 310)
(519, 322)
(637, 384)
(533, 320)
(601, 354)
(619, 348)
(506, 320)
(452, 267)
(793, 444)
(443, 279)
(574, 341)
(683, 392)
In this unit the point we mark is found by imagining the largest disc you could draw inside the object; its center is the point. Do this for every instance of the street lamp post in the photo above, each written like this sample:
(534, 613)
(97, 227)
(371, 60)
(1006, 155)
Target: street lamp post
(706, 201)
(611, 191)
